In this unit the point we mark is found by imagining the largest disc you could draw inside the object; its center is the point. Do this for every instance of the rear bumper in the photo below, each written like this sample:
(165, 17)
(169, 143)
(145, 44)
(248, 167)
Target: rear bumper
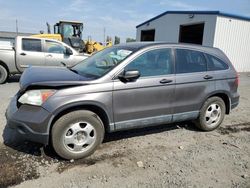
(235, 99)
(30, 122)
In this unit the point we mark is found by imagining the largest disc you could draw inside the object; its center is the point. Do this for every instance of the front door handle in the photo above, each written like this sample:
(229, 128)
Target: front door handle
(49, 55)
(207, 77)
(165, 81)
(23, 54)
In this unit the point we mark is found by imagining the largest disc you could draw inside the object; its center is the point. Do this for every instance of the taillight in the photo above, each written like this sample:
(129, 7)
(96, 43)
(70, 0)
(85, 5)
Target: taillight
(237, 81)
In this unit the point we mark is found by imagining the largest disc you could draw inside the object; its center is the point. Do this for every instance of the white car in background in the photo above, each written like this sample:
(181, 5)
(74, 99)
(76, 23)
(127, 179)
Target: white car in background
(32, 51)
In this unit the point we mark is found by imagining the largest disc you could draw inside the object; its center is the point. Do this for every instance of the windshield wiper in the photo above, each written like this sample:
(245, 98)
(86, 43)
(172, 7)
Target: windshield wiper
(104, 66)
(63, 64)
(73, 70)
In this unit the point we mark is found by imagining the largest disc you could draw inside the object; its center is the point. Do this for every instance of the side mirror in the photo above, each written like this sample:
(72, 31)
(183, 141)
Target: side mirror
(129, 76)
(68, 51)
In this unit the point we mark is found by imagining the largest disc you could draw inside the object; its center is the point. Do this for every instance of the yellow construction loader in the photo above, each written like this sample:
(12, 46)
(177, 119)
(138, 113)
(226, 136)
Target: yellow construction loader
(70, 32)
(93, 46)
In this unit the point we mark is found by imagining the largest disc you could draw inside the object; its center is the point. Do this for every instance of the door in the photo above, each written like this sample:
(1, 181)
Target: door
(193, 84)
(148, 35)
(191, 33)
(55, 54)
(30, 53)
(148, 100)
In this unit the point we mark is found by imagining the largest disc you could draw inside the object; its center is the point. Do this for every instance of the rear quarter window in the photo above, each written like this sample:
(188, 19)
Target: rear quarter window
(215, 63)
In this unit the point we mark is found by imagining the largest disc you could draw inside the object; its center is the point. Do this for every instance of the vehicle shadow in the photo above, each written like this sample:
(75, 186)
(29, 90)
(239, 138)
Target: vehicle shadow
(148, 130)
(13, 140)
(14, 78)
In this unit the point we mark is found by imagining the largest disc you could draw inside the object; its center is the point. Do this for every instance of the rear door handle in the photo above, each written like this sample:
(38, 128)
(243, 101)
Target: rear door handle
(23, 54)
(165, 81)
(49, 55)
(207, 77)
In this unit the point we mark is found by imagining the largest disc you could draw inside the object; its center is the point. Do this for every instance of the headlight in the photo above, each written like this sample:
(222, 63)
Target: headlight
(36, 97)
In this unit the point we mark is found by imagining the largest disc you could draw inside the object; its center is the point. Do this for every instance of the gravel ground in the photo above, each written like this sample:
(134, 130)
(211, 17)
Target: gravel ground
(176, 155)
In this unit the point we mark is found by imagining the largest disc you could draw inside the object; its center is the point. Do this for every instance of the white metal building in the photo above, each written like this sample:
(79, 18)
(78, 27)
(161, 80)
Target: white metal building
(7, 38)
(230, 33)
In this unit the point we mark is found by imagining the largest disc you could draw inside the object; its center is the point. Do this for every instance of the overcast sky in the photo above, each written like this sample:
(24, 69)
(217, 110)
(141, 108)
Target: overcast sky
(118, 17)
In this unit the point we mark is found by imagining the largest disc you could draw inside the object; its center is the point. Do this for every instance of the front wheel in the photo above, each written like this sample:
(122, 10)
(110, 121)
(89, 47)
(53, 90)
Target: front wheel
(77, 134)
(212, 114)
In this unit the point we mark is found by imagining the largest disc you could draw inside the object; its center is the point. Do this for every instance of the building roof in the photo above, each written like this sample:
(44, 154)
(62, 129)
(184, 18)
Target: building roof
(68, 21)
(219, 13)
(7, 34)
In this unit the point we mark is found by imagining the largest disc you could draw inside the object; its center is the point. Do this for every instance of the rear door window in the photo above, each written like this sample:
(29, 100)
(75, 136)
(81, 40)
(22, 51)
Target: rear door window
(215, 63)
(188, 61)
(33, 45)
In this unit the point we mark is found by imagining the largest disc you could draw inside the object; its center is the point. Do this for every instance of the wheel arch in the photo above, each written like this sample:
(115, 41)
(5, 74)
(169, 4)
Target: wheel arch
(225, 97)
(5, 66)
(101, 112)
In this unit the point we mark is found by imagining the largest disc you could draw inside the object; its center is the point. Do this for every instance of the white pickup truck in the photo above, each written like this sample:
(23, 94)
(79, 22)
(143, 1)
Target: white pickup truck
(31, 51)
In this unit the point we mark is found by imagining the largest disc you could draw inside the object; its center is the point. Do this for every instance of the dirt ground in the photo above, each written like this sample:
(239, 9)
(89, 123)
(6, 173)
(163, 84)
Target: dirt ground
(176, 155)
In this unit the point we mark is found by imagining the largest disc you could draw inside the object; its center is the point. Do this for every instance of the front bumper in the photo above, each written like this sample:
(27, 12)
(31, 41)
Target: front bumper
(31, 122)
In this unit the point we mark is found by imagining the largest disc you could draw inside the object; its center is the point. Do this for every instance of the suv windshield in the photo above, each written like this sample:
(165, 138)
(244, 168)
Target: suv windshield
(102, 62)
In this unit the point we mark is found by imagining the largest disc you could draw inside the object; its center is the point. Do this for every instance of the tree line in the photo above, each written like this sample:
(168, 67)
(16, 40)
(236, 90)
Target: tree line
(118, 40)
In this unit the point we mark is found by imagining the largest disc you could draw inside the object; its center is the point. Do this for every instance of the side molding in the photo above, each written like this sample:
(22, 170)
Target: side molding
(144, 122)
(151, 121)
(185, 116)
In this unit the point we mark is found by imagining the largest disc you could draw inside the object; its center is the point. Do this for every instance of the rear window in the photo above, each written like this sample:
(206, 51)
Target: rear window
(188, 61)
(215, 64)
(33, 45)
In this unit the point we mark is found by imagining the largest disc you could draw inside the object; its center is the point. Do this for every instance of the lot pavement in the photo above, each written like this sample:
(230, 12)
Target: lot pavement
(176, 155)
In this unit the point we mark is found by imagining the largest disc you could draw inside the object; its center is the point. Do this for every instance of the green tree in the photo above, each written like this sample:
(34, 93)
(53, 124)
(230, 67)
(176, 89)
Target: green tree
(117, 40)
(130, 40)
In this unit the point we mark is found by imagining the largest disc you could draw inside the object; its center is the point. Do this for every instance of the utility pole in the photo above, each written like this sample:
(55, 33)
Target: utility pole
(16, 27)
(48, 28)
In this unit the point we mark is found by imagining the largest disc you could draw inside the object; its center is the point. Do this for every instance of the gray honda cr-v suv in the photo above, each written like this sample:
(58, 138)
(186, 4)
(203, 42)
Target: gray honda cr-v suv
(123, 87)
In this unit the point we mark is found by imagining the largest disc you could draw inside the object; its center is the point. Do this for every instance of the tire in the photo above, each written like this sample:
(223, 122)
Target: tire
(211, 115)
(77, 134)
(3, 74)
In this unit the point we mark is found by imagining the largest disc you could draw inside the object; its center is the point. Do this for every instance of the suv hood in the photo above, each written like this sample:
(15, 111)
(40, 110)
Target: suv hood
(51, 77)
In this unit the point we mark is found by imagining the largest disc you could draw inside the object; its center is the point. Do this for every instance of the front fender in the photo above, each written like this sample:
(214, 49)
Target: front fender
(103, 100)
(79, 104)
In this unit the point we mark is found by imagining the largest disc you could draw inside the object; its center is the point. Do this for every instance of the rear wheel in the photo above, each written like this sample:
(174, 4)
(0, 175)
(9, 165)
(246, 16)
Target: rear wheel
(212, 114)
(77, 134)
(3, 74)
